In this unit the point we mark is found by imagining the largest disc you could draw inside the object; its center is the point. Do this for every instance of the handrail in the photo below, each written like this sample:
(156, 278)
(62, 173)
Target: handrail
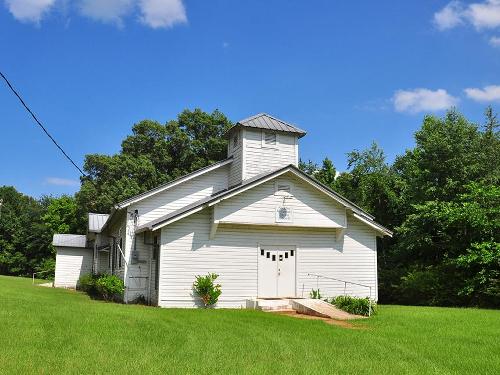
(345, 285)
(36, 273)
(332, 278)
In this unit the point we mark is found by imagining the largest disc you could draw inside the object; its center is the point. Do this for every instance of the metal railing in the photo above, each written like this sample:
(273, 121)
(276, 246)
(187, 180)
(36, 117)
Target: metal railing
(37, 273)
(318, 276)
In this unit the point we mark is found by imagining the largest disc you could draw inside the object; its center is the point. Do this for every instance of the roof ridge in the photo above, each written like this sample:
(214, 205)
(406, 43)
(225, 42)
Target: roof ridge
(284, 122)
(253, 117)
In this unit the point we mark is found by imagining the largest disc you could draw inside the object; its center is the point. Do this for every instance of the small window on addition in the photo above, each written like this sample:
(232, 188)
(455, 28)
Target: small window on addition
(269, 139)
(274, 258)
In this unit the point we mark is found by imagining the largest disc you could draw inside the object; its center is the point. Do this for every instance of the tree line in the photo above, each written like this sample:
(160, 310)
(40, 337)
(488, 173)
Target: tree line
(441, 198)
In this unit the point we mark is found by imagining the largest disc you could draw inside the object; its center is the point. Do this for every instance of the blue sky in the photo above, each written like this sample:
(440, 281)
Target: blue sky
(349, 73)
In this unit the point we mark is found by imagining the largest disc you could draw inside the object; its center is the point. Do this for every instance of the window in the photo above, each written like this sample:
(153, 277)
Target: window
(269, 139)
(235, 140)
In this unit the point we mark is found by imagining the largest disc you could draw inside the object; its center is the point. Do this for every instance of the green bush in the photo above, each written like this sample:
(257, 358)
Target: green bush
(208, 291)
(354, 305)
(110, 287)
(86, 283)
(107, 287)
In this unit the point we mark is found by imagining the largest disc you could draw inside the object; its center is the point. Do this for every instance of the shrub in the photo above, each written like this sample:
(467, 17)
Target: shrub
(208, 291)
(86, 283)
(107, 287)
(110, 287)
(353, 305)
(315, 294)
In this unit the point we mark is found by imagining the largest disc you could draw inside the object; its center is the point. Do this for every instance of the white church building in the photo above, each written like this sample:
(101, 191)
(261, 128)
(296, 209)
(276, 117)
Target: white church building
(265, 227)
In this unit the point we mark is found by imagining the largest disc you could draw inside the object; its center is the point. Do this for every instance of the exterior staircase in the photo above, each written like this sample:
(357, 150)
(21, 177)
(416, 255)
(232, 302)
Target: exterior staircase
(306, 306)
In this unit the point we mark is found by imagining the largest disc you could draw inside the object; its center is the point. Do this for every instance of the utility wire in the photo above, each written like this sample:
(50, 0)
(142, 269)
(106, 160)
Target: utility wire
(41, 126)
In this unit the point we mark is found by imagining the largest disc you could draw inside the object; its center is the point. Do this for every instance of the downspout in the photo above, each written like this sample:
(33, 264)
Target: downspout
(150, 271)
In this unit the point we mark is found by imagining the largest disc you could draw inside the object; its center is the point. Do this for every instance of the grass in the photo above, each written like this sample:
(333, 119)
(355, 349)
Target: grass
(48, 331)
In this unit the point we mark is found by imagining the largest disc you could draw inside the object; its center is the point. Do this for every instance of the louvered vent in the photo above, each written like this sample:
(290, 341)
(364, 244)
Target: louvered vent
(269, 139)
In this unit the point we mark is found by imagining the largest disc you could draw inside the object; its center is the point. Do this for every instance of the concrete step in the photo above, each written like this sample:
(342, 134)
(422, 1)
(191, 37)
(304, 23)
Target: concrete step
(278, 304)
(321, 308)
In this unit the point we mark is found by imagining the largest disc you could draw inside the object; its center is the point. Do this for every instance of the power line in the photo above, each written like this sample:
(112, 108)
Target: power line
(41, 126)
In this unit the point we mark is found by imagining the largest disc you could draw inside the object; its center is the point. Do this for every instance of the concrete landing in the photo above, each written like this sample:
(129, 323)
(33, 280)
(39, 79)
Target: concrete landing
(321, 308)
(277, 304)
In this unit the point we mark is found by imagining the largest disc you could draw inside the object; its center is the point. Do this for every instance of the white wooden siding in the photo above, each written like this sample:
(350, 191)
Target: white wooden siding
(259, 159)
(236, 167)
(310, 207)
(187, 251)
(103, 263)
(138, 273)
(71, 264)
(181, 195)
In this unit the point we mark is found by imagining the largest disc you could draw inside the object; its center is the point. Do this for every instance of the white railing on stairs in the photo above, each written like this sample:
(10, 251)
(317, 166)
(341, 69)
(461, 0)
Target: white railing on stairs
(318, 276)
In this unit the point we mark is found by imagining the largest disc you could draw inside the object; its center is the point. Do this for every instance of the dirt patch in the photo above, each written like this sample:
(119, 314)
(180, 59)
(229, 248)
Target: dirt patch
(338, 323)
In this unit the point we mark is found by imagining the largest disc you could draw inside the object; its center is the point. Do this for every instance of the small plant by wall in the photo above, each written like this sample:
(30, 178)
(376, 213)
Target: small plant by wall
(107, 287)
(205, 287)
(354, 305)
(315, 294)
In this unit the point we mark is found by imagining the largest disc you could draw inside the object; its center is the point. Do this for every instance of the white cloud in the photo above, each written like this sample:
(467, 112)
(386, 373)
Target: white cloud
(486, 94)
(450, 16)
(108, 11)
(495, 41)
(483, 15)
(29, 10)
(152, 13)
(422, 100)
(58, 181)
(162, 13)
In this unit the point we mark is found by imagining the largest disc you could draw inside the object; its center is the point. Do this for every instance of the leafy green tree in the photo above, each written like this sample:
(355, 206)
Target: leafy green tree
(155, 153)
(61, 215)
(370, 183)
(24, 238)
(327, 173)
(309, 167)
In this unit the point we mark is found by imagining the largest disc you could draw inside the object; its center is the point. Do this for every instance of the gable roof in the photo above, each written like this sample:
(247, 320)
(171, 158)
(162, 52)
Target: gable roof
(268, 122)
(96, 222)
(173, 183)
(70, 240)
(252, 182)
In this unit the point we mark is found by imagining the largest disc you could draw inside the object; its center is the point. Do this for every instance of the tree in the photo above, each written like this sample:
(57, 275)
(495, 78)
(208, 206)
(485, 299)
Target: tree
(61, 215)
(152, 155)
(448, 184)
(327, 173)
(24, 238)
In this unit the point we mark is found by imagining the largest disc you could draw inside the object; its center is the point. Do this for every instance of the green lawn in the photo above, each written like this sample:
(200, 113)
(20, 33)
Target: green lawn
(49, 331)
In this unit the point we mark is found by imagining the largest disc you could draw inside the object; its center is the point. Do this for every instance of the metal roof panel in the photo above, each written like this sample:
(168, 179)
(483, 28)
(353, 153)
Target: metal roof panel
(268, 122)
(69, 240)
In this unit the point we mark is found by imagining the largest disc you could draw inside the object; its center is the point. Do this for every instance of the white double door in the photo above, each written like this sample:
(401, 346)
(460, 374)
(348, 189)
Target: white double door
(276, 272)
